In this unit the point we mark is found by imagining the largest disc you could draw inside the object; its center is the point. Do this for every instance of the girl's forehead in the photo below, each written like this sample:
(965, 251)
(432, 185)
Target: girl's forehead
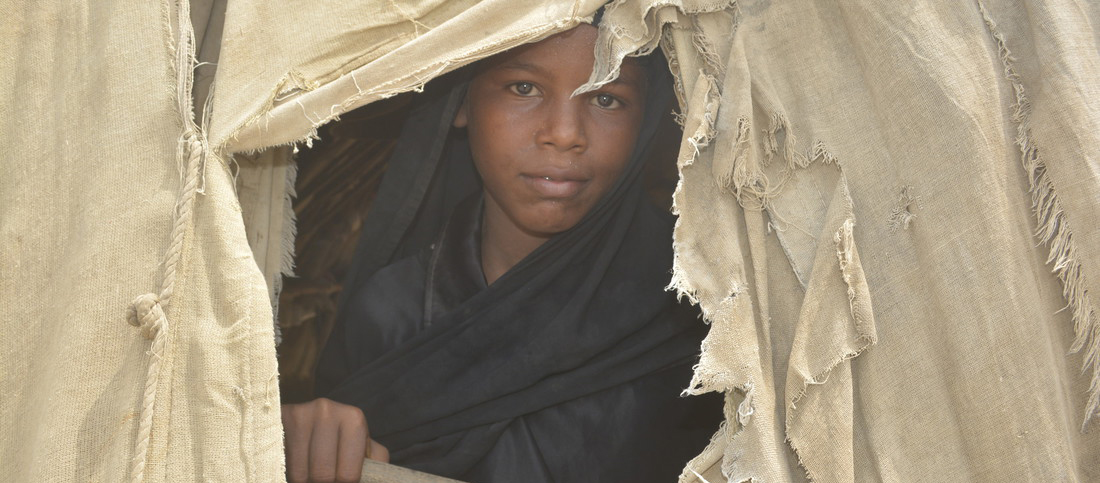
(572, 49)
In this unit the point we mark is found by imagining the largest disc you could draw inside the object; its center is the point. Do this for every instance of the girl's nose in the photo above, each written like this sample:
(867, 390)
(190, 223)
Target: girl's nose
(562, 126)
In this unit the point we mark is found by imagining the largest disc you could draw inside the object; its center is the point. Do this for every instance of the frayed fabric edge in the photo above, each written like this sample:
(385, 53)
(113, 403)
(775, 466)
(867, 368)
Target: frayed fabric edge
(702, 127)
(861, 313)
(847, 263)
(717, 452)
(746, 177)
(742, 173)
(792, 157)
(710, 375)
(1053, 229)
(822, 378)
(612, 50)
(288, 236)
(254, 125)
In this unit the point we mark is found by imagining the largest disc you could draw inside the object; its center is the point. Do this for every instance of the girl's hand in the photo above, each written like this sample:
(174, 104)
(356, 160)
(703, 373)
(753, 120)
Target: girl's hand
(326, 441)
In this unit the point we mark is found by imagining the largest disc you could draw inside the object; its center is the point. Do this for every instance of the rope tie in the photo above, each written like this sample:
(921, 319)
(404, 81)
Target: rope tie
(147, 310)
(147, 314)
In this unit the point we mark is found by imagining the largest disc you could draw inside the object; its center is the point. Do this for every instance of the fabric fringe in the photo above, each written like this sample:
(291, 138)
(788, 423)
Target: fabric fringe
(860, 309)
(289, 235)
(745, 177)
(781, 126)
(706, 51)
(706, 129)
(1053, 228)
(711, 375)
(743, 171)
(719, 441)
(821, 154)
(901, 215)
(703, 131)
(707, 375)
(853, 276)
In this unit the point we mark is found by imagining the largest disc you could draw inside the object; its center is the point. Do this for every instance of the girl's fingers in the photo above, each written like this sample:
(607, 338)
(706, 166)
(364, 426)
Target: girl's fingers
(297, 445)
(353, 445)
(325, 442)
(378, 452)
(322, 450)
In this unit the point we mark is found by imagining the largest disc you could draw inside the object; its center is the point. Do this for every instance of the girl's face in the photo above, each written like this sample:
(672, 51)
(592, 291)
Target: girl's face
(546, 158)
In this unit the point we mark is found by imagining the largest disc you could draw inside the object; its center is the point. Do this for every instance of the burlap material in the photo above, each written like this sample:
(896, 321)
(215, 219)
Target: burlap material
(286, 67)
(112, 207)
(888, 214)
(118, 208)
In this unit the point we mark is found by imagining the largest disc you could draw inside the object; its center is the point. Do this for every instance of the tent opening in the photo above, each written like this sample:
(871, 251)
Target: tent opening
(337, 181)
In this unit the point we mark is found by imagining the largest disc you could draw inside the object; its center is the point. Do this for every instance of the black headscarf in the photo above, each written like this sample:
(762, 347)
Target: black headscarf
(584, 312)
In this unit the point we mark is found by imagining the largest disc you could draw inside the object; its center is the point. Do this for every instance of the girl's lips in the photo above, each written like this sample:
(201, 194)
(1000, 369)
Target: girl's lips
(550, 187)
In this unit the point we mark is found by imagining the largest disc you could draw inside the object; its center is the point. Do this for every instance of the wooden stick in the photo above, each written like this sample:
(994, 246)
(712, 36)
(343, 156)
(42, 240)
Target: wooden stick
(377, 472)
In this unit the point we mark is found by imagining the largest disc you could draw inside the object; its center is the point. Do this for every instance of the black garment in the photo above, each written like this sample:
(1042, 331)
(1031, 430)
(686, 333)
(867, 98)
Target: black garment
(569, 366)
(638, 431)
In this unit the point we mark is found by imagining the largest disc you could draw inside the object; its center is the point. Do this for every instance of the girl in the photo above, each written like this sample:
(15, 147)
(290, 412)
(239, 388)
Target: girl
(532, 341)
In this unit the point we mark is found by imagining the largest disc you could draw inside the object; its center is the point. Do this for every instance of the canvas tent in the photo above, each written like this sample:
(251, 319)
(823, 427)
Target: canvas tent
(888, 215)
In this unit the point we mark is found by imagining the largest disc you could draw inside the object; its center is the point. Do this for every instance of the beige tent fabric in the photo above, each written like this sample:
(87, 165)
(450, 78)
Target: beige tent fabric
(376, 472)
(265, 187)
(860, 195)
(888, 213)
(287, 67)
(856, 222)
(108, 194)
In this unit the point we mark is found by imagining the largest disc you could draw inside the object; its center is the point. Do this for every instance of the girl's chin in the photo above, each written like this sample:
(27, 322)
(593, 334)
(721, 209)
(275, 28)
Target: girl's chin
(549, 226)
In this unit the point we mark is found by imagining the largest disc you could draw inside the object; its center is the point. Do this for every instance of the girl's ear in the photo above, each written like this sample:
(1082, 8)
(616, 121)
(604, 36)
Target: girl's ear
(461, 117)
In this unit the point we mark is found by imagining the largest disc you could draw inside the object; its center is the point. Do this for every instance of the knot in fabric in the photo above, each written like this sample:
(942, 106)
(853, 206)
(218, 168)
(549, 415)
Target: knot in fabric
(146, 312)
(193, 143)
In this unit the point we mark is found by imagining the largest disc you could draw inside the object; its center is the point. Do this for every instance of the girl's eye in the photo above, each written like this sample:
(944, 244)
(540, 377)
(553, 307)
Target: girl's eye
(606, 101)
(524, 89)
